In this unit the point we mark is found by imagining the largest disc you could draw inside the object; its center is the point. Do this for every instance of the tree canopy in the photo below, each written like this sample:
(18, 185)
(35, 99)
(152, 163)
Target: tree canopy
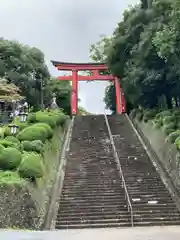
(25, 67)
(144, 51)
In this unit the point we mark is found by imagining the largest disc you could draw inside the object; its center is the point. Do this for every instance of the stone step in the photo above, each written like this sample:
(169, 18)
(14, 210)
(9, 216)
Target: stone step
(112, 181)
(91, 208)
(98, 215)
(92, 191)
(115, 219)
(93, 203)
(156, 223)
(93, 225)
(122, 215)
(94, 221)
(93, 187)
(92, 197)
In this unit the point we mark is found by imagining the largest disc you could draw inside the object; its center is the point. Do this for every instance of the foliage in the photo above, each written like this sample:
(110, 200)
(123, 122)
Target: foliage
(144, 52)
(177, 143)
(62, 91)
(11, 178)
(31, 166)
(32, 133)
(24, 71)
(83, 111)
(173, 136)
(45, 121)
(9, 91)
(46, 127)
(33, 146)
(12, 139)
(25, 67)
(166, 121)
(10, 158)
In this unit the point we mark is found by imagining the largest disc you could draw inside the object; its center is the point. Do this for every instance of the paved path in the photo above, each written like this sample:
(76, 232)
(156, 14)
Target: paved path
(150, 233)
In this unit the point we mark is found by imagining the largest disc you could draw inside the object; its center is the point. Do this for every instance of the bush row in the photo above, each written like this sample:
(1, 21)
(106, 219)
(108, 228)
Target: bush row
(168, 121)
(23, 153)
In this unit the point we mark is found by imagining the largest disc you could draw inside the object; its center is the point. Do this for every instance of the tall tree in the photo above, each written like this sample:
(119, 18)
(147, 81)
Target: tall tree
(25, 67)
(137, 52)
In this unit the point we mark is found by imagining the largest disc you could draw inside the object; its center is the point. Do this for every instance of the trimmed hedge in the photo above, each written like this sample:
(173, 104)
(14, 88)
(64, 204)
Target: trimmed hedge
(173, 136)
(24, 152)
(32, 133)
(31, 166)
(48, 129)
(168, 121)
(12, 139)
(34, 146)
(10, 158)
(44, 117)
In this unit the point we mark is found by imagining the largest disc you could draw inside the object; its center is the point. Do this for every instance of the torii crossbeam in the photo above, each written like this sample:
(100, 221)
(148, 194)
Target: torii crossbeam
(95, 69)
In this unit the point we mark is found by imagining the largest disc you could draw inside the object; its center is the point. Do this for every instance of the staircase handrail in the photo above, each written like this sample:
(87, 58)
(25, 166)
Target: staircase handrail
(130, 209)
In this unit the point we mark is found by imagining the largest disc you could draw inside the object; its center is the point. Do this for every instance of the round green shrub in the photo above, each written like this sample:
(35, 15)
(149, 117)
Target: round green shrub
(176, 112)
(46, 127)
(31, 118)
(169, 128)
(7, 131)
(32, 133)
(58, 116)
(6, 143)
(156, 124)
(1, 148)
(37, 146)
(10, 158)
(11, 178)
(2, 129)
(165, 113)
(177, 143)
(34, 146)
(173, 136)
(21, 125)
(31, 166)
(149, 114)
(44, 117)
(26, 146)
(169, 119)
(12, 139)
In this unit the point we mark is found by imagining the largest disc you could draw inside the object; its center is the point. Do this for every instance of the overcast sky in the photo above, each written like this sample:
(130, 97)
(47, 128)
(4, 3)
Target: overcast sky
(63, 30)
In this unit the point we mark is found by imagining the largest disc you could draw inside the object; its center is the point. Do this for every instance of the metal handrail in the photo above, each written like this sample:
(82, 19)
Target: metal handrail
(130, 209)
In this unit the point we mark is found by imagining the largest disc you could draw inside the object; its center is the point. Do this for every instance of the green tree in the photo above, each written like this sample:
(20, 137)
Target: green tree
(62, 91)
(138, 55)
(25, 67)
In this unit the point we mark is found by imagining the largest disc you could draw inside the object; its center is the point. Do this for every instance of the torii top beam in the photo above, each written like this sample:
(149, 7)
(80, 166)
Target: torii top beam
(67, 66)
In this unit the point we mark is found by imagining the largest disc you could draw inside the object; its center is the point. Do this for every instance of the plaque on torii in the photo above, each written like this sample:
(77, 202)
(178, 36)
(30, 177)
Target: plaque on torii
(95, 69)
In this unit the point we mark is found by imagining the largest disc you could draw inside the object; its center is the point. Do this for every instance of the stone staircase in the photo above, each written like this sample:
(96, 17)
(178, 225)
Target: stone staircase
(151, 201)
(92, 194)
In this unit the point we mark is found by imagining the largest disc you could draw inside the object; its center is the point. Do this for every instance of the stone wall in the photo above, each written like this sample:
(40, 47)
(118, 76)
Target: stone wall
(17, 208)
(166, 152)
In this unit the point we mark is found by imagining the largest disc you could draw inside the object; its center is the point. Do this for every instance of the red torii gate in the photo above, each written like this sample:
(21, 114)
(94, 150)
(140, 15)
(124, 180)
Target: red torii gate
(95, 69)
